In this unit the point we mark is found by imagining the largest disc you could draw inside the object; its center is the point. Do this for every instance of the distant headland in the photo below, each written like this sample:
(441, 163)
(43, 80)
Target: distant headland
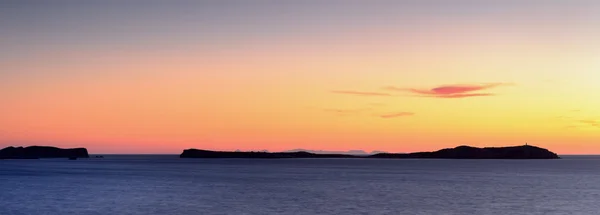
(36, 152)
(460, 152)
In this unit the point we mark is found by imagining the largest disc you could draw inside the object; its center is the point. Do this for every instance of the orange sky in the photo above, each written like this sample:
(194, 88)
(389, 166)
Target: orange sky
(361, 79)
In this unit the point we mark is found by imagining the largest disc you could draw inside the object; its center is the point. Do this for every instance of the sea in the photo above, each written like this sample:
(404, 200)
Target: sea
(168, 185)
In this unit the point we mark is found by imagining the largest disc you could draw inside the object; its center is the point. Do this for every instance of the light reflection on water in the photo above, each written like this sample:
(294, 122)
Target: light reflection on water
(165, 184)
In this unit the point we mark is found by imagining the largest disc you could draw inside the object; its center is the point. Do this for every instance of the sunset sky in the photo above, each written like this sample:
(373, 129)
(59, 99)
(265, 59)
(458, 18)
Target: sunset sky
(397, 76)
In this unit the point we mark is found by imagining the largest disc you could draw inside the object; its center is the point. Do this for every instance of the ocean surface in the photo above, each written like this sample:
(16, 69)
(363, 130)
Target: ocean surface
(167, 185)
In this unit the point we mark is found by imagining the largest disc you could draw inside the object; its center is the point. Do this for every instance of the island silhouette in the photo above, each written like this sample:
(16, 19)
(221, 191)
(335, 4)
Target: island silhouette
(36, 152)
(460, 152)
(349, 152)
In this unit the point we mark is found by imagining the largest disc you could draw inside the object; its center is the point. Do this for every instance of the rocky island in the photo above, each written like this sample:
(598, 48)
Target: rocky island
(468, 152)
(196, 153)
(460, 152)
(36, 152)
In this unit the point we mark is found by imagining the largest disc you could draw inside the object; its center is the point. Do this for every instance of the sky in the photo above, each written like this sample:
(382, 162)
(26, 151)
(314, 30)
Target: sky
(396, 76)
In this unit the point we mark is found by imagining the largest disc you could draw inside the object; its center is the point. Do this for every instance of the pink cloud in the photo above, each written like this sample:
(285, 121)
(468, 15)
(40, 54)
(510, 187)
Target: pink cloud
(451, 91)
(463, 95)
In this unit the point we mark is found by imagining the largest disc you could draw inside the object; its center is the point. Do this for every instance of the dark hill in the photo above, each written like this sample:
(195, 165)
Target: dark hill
(35, 152)
(461, 152)
(468, 152)
(196, 153)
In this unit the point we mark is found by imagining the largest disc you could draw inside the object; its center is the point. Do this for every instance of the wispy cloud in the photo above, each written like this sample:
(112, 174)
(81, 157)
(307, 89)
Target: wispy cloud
(451, 91)
(397, 114)
(345, 111)
(563, 117)
(576, 122)
(464, 95)
(593, 123)
(360, 93)
(571, 127)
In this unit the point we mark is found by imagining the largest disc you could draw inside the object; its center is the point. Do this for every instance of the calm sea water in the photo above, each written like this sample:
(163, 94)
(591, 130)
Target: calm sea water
(162, 184)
